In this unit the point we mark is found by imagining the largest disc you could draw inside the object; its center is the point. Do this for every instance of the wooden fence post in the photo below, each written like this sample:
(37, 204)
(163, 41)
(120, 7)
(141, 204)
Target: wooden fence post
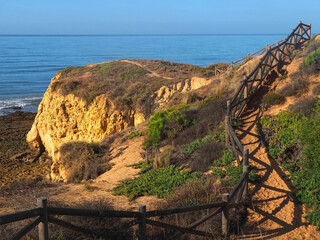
(142, 233)
(43, 225)
(225, 215)
(245, 170)
(309, 31)
(227, 119)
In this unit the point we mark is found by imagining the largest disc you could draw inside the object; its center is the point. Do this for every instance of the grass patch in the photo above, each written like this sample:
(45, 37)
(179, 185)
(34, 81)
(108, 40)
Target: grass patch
(159, 182)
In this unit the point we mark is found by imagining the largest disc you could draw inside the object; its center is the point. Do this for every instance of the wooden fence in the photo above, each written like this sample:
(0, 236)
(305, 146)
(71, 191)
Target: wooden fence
(275, 55)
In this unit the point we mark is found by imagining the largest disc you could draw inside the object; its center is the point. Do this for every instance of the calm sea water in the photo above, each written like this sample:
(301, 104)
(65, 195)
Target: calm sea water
(27, 63)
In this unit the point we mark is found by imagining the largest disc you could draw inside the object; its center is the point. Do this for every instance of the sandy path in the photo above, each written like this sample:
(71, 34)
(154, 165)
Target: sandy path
(123, 153)
(272, 213)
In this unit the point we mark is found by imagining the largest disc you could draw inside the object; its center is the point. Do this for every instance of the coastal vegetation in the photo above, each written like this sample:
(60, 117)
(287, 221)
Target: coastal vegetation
(293, 141)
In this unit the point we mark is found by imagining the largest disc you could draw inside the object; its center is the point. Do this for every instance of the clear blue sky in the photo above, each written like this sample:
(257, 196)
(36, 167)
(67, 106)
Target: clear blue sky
(156, 16)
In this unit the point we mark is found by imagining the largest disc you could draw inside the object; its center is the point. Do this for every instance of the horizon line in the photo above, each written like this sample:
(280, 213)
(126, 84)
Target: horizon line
(156, 34)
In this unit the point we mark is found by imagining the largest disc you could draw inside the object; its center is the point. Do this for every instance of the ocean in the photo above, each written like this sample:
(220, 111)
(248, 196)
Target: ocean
(27, 63)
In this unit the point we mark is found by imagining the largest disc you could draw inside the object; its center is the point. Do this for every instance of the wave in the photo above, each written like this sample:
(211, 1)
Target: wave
(25, 104)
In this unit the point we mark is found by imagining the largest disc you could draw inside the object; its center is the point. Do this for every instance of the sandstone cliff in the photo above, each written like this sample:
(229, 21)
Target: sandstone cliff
(91, 102)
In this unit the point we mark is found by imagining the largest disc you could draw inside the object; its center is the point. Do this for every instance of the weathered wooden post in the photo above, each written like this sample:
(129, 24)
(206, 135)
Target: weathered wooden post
(43, 225)
(245, 170)
(142, 233)
(309, 31)
(231, 66)
(225, 215)
(227, 120)
(294, 40)
(300, 29)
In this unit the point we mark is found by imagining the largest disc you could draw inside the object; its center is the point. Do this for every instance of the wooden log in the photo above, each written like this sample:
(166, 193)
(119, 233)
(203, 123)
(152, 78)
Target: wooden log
(142, 233)
(225, 215)
(13, 217)
(26, 229)
(43, 229)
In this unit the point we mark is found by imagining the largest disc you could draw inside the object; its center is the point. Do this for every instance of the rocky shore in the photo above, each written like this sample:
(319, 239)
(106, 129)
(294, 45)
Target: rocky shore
(17, 161)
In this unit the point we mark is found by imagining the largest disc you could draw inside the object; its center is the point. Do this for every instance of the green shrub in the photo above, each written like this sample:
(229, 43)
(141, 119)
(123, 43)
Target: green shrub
(226, 159)
(166, 124)
(191, 147)
(145, 167)
(159, 182)
(233, 175)
(134, 134)
(312, 58)
(281, 131)
(272, 98)
(218, 173)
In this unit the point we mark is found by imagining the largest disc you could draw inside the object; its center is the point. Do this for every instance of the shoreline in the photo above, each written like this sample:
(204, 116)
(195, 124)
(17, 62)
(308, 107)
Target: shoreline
(17, 161)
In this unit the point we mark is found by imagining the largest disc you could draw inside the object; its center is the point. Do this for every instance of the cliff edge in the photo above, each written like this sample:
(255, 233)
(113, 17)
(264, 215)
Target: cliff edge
(91, 102)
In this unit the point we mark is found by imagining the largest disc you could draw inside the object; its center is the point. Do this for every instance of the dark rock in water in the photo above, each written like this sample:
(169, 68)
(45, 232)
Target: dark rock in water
(16, 108)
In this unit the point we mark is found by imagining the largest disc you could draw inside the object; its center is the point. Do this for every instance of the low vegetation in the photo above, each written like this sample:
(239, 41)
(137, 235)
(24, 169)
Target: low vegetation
(82, 161)
(159, 182)
(293, 139)
(166, 124)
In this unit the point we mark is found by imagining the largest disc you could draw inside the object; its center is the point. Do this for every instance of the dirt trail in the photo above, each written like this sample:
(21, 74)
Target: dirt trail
(152, 73)
(272, 213)
(123, 154)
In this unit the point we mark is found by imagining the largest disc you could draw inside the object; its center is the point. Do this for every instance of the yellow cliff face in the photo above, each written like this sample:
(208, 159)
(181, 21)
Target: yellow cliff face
(89, 103)
(62, 119)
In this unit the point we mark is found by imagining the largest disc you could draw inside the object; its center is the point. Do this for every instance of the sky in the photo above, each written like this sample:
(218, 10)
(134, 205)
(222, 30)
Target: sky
(113, 17)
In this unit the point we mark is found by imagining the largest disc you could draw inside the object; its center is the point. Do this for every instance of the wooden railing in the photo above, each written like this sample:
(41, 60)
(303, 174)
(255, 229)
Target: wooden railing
(275, 55)
(303, 29)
